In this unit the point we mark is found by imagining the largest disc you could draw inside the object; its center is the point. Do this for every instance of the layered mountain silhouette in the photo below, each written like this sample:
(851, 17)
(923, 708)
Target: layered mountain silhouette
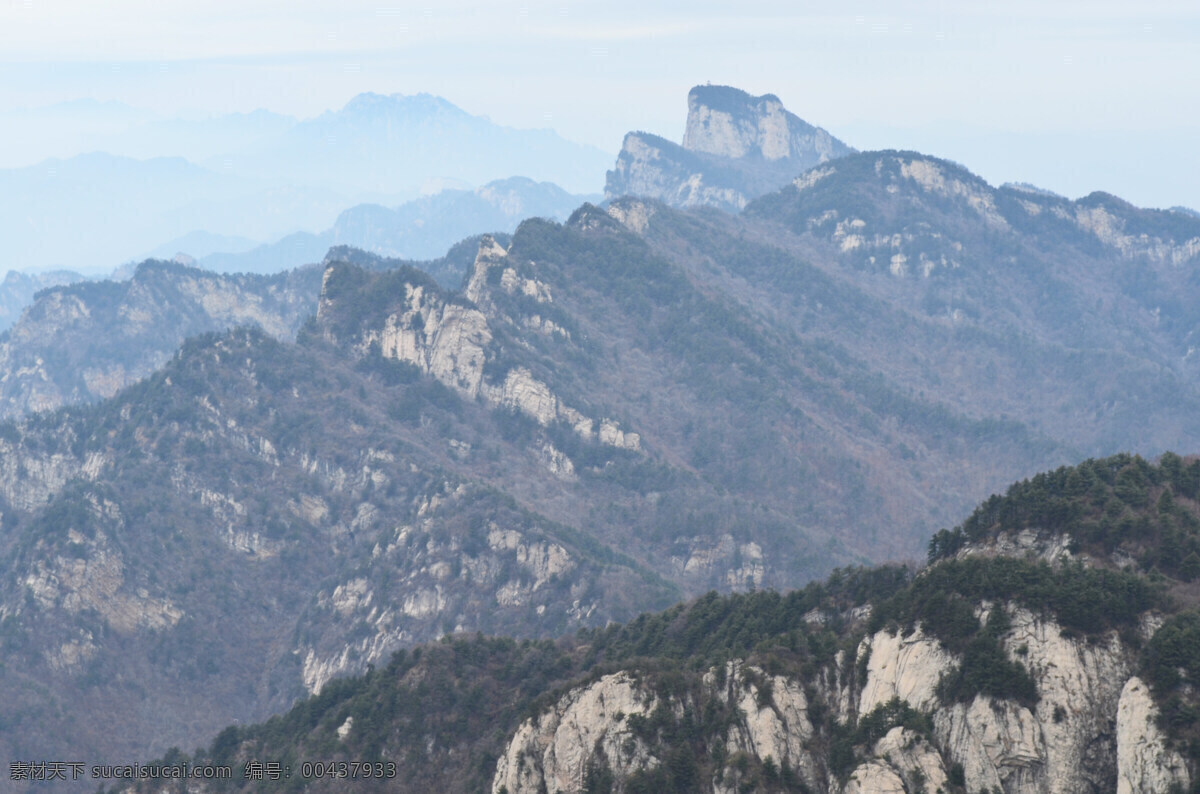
(596, 418)
(17, 290)
(274, 176)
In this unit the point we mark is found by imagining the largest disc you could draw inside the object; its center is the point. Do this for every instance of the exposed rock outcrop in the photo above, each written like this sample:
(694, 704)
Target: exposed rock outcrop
(730, 123)
(450, 339)
(588, 727)
(446, 340)
(1092, 728)
(736, 147)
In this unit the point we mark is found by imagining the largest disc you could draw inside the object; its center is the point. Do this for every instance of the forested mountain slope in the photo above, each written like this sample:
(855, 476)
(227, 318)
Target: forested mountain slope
(1050, 645)
(261, 515)
(250, 521)
(611, 414)
(86, 341)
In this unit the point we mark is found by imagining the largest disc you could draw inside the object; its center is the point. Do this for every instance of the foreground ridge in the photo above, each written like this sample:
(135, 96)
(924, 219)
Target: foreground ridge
(1045, 648)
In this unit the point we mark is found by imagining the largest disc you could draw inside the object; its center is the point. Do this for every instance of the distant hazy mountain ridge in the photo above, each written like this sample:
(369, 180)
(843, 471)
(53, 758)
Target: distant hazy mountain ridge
(421, 229)
(274, 176)
(736, 147)
(397, 143)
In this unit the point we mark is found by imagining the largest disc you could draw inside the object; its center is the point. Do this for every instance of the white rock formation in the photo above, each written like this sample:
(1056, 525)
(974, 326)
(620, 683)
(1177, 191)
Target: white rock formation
(1079, 682)
(489, 255)
(736, 147)
(30, 478)
(730, 123)
(588, 725)
(1110, 230)
(1048, 546)
(446, 340)
(875, 777)
(914, 758)
(999, 743)
(1092, 729)
(96, 581)
(1144, 763)
(634, 215)
(778, 728)
(902, 667)
(930, 176)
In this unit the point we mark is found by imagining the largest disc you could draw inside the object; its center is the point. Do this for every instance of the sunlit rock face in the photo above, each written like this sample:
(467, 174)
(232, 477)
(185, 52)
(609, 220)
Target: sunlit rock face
(449, 340)
(730, 123)
(736, 147)
(1093, 727)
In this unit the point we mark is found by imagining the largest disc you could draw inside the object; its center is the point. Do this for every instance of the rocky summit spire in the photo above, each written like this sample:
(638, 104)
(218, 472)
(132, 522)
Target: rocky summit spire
(736, 147)
(728, 122)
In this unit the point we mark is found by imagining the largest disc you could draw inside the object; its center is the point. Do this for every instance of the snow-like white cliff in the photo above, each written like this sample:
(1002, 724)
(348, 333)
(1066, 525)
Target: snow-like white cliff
(1092, 728)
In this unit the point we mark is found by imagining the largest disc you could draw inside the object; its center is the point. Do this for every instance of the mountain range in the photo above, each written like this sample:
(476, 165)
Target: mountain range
(17, 290)
(422, 229)
(736, 147)
(385, 144)
(271, 177)
(603, 416)
(1051, 644)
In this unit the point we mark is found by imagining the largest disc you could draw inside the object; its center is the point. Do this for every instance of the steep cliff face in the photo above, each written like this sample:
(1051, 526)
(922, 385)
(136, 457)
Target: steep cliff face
(17, 291)
(736, 147)
(587, 727)
(653, 167)
(452, 340)
(1036, 652)
(1065, 743)
(730, 123)
(1144, 760)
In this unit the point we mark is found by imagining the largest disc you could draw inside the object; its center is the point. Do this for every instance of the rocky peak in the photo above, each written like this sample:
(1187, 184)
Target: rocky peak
(454, 340)
(736, 147)
(729, 122)
(490, 254)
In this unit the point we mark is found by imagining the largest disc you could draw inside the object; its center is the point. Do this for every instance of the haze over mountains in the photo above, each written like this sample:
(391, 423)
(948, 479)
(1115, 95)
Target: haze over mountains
(140, 182)
(98, 210)
(597, 417)
(421, 229)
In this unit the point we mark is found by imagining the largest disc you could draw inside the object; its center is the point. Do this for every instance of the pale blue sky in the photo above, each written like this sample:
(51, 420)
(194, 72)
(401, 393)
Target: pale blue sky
(1075, 96)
